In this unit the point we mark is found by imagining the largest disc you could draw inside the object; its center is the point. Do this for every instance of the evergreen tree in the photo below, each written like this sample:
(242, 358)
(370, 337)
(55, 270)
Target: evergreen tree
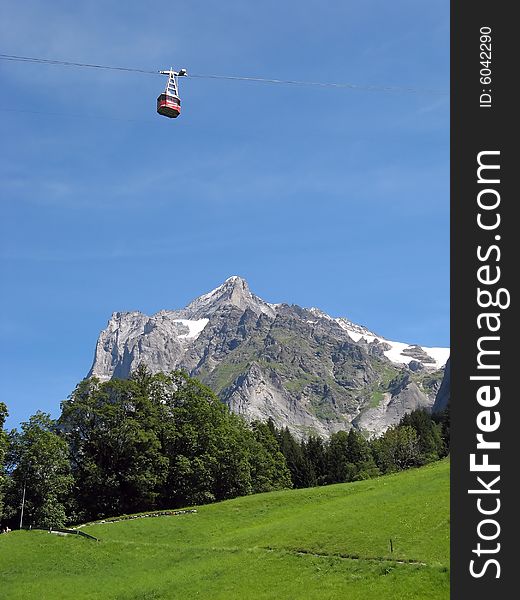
(269, 469)
(360, 461)
(337, 463)
(300, 468)
(443, 419)
(315, 452)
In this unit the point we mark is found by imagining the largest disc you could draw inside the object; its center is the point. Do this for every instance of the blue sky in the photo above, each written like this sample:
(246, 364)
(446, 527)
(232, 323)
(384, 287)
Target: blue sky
(317, 196)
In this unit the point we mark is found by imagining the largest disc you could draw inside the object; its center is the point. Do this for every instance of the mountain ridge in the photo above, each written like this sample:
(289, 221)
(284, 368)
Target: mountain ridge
(299, 366)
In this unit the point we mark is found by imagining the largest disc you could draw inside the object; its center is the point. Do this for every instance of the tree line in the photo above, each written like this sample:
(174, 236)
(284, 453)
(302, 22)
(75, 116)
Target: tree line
(161, 441)
(418, 439)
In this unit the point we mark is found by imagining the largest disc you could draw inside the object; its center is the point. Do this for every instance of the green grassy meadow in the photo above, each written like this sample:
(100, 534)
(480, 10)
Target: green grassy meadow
(318, 543)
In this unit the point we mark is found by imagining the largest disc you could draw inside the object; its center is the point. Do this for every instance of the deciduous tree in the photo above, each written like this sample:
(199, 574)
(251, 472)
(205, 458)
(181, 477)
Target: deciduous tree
(39, 464)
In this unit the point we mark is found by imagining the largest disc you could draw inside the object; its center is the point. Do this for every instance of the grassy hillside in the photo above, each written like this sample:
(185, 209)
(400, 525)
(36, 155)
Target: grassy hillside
(322, 543)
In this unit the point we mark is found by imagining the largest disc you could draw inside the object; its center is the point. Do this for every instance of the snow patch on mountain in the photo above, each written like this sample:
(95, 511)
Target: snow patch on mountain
(399, 352)
(195, 327)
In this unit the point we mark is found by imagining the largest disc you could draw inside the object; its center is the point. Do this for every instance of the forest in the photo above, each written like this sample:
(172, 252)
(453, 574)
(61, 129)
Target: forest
(163, 441)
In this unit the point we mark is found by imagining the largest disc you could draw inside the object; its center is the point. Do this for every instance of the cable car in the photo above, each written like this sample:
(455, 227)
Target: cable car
(169, 102)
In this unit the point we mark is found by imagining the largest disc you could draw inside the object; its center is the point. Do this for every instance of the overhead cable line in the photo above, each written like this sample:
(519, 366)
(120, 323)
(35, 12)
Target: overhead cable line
(369, 88)
(74, 115)
(353, 86)
(31, 59)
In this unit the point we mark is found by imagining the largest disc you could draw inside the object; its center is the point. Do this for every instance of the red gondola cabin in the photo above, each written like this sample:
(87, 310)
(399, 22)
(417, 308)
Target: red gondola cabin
(168, 105)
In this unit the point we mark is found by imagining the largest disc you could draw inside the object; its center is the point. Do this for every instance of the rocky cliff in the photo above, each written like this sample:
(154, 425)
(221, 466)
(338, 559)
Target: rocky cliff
(443, 395)
(302, 367)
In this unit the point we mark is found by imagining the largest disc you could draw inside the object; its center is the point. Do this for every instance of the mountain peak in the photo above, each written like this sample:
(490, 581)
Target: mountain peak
(235, 282)
(235, 292)
(235, 279)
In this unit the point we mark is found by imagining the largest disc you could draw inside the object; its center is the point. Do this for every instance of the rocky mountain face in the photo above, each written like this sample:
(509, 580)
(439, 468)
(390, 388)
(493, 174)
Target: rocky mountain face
(443, 395)
(305, 369)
